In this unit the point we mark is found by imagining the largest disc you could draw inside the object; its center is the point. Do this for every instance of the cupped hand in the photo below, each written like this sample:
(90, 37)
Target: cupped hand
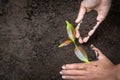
(101, 6)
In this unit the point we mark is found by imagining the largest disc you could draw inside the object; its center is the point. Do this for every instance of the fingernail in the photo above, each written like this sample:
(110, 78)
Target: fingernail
(60, 72)
(63, 67)
(63, 77)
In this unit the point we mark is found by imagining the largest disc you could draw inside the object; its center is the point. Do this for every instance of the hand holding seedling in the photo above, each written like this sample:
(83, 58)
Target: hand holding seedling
(103, 69)
(101, 6)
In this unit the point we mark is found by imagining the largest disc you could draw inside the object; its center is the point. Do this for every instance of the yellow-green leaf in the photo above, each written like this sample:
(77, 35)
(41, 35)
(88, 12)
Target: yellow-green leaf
(70, 30)
(81, 54)
(65, 43)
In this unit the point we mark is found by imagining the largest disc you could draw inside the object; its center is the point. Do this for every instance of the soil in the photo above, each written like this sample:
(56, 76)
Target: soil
(88, 22)
(31, 30)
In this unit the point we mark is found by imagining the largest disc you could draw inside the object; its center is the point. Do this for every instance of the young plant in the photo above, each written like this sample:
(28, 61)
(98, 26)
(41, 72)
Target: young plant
(79, 51)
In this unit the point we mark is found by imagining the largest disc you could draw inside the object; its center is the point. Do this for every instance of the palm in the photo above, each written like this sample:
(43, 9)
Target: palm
(101, 6)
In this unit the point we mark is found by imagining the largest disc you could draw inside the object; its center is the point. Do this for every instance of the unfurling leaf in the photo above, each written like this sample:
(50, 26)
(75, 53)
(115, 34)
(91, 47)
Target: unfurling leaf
(70, 30)
(65, 43)
(81, 54)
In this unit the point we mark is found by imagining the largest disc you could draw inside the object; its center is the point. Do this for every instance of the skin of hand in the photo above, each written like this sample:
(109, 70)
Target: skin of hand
(102, 69)
(101, 6)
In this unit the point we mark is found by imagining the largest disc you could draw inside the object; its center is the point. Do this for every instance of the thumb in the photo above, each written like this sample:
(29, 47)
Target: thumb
(99, 54)
(81, 14)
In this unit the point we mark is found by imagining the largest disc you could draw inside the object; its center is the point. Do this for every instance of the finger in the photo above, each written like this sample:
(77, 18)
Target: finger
(80, 40)
(91, 32)
(86, 39)
(73, 72)
(98, 52)
(101, 57)
(101, 16)
(74, 77)
(81, 14)
(77, 30)
(78, 34)
(81, 66)
(92, 46)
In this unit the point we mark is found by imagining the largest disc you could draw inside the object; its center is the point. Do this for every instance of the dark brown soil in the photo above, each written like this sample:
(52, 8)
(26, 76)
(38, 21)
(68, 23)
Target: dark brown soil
(31, 30)
(89, 21)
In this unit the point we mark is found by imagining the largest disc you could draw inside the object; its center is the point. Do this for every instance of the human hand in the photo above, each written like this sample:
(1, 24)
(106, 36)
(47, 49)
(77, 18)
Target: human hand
(101, 6)
(103, 69)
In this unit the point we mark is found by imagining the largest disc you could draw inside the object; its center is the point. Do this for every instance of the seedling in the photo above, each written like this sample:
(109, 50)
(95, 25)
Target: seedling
(79, 51)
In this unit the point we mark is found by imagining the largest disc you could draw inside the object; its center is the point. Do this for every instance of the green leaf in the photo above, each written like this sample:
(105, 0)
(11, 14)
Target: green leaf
(70, 30)
(65, 43)
(81, 54)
